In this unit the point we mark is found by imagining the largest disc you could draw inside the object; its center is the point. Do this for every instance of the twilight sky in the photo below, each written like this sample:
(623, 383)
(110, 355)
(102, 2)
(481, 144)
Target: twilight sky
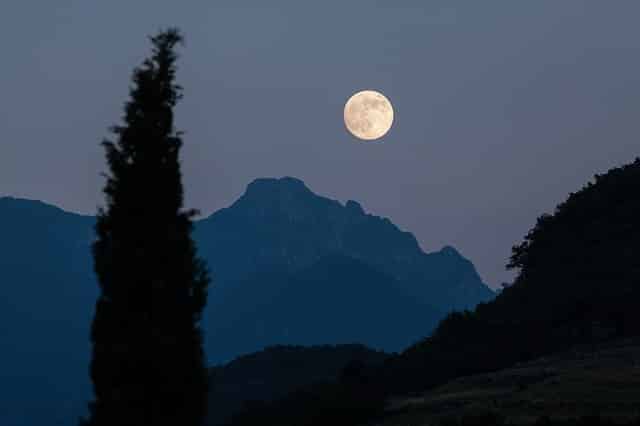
(502, 107)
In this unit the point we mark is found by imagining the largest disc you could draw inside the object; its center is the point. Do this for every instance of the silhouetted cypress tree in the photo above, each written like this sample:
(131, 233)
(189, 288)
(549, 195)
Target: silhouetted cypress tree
(148, 364)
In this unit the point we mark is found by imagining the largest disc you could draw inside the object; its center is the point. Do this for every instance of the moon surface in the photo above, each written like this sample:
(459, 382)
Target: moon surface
(368, 115)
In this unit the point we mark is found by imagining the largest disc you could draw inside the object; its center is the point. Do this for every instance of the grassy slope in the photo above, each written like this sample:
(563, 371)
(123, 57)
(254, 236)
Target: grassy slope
(584, 381)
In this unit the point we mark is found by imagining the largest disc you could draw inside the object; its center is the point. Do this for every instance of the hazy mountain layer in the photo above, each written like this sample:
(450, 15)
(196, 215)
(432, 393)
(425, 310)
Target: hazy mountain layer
(289, 267)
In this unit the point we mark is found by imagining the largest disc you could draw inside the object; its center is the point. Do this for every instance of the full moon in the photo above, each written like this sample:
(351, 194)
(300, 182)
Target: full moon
(368, 115)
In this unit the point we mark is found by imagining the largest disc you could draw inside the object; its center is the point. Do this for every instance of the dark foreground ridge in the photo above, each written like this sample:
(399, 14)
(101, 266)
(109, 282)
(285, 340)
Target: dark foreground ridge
(276, 371)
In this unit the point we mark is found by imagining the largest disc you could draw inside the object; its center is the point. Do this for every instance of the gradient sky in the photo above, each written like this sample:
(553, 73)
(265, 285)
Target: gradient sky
(502, 107)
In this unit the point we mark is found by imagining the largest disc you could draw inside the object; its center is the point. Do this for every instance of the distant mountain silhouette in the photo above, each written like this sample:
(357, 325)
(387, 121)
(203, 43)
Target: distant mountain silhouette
(337, 299)
(279, 228)
(280, 223)
(289, 267)
(48, 293)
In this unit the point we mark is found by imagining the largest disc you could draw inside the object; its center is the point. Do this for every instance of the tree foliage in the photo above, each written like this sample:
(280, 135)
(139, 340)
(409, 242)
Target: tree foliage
(148, 364)
(578, 282)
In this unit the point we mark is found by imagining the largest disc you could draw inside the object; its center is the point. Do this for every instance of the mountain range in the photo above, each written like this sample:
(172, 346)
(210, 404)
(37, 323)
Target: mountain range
(561, 341)
(288, 267)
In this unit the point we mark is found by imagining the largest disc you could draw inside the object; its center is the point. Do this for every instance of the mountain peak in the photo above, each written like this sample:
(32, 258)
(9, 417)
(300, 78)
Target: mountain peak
(274, 187)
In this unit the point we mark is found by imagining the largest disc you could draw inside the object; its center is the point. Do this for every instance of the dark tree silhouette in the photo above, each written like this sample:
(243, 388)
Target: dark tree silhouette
(577, 284)
(148, 364)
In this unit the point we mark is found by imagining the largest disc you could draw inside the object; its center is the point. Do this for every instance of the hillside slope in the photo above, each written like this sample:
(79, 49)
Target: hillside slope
(578, 282)
(45, 312)
(337, 299)
(599, 379)
(276, 371)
